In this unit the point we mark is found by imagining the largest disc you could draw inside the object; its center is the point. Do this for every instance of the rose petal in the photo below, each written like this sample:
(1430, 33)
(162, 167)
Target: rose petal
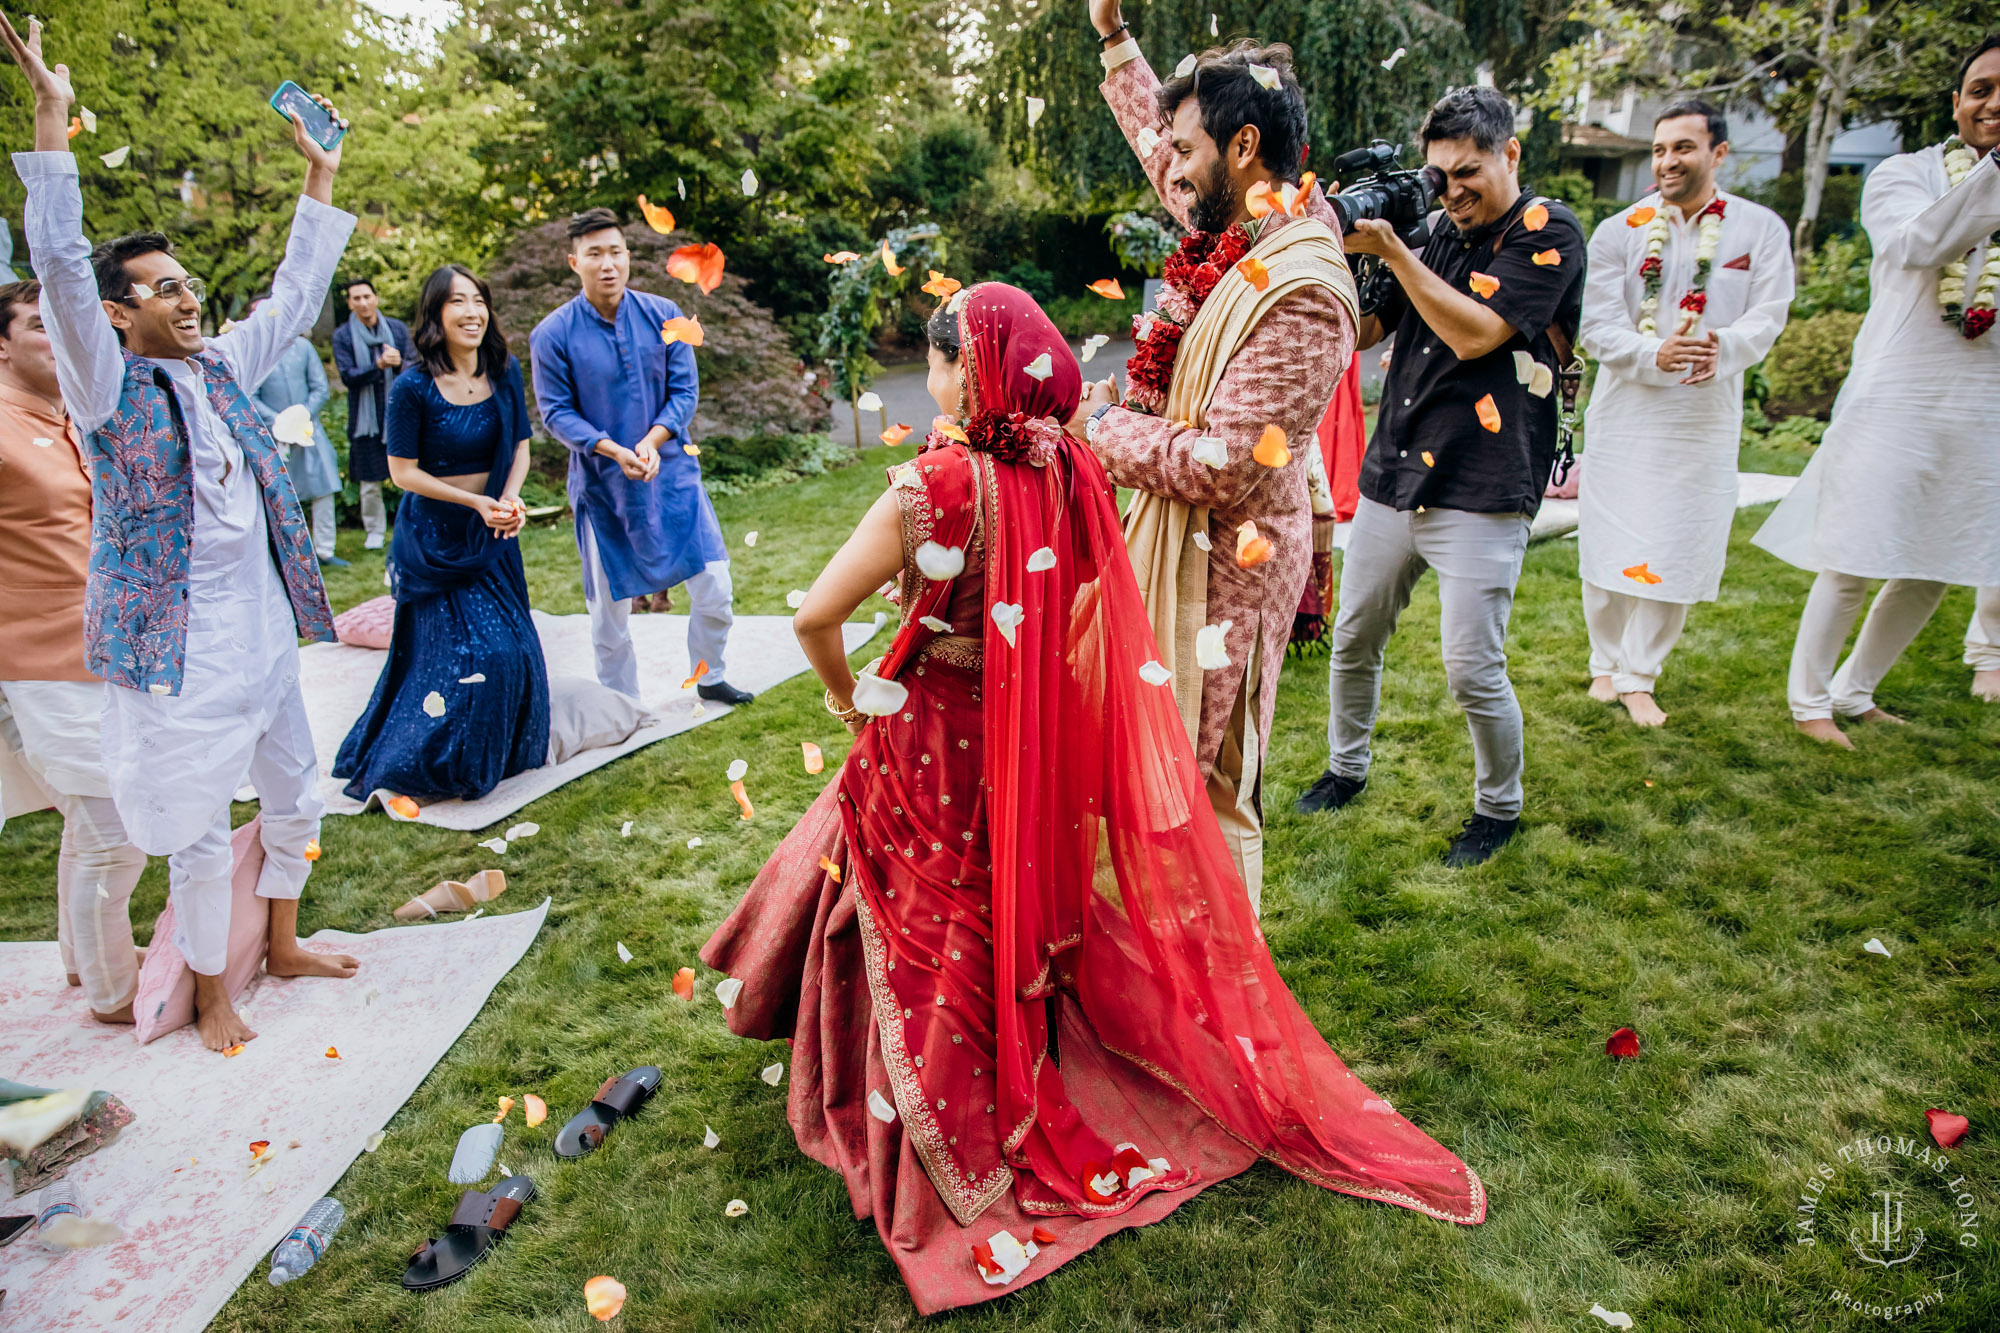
(604, 1297)
(933, 623)
(1186, 67)
(773, 1073)
(311, 853)
(116, 157)
(1090, 346)
(497, 846)
(880, 1107)
(1210, 650)
(534, 1109)
(726, 991)
(294, 425)
(1253, 269)
(1147, 139)
(1211, 450)
(1640, 216)
(869, 401)
(895, 435)
(1265, 75)
(476, 678)
(939, 563)
(434, 704)
(1041, 367)
(625, 829)
(737, 768)
(1109, 289)
(681, 329)
(1155, 674)
(333, 1052)
(1624, 1043)
(709, 1138)
(1484, 285)
(735, 1208)
(520, 831)
(1549, 258)
(1536, 217)
(889, 263)
(1946, 1128)
(1007, 618)
(373, 1141)
(1489, 413)
(1252, 549)
(1043, 558)
(1394, 56)
(1873, 945)
(693, 843)
(749, 182)
(1640, 574)
(1035, 108)
(234, 1051)
(659, 219)
(1201, 539)
(1271, 450)
(89, 119)
(939, 285)
(684, 983)
(506, 1105)
(841, 257)
(1615, 1318)
(624, 954)
(1543, 381)
(814, 759)
(878, 697)
(832, 870)
(403, 807)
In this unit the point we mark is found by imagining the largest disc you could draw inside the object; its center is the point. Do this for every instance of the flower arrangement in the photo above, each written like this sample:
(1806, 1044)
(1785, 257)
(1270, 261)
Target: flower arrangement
(1707, 240)
(1190, 274)
(1971, 318)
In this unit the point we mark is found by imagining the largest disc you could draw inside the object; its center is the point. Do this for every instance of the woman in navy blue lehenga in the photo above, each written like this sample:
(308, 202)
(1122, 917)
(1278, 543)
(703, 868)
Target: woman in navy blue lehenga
(457, 435)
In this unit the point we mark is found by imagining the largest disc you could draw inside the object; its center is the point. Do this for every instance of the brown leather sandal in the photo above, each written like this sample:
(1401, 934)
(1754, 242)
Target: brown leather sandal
(452, 896)
(476, 1225)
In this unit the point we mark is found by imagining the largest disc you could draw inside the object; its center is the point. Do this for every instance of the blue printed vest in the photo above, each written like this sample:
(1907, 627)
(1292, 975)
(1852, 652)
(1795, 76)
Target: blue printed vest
(135, 612)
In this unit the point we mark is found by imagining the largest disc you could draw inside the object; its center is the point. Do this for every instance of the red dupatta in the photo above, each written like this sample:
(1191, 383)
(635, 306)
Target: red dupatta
(1112, 889)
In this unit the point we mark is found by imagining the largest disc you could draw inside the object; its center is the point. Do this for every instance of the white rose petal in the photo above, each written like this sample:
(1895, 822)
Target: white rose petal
(727, 989)
(1265, 75)
(1210, 654)
(682, 186)
(878, 697)
(520, 831)
(1544, 380)
(737, 768)
(1214, 26)
(869, 402)
(938, 563)
(1090, 346)
(1394, 56)
(1155, 674)
(1035, 108)
(1186, 67)
(1615, 1318)
(693, 843)
(1201, 539)
(1007, 616)
(933, 623)
(293, 426)
(1211, 450)
(1524, 368)
(749, 539)
(796, 598)
(1043, 558)
(1148, 139)
(710, 1139)
(1378, 1106)
(1010, 1254)
(476, 678)
(1106, 1183)
(624, 954)
(497, 846)
(1041, 367)
(372, 1142)
(880, 1108)
(749, 182)
(625, 830)
(43, 441)
(434, 704)
(772, 1074)
(1876, 946)
(116, 157)
(735, 1208)
(89, 119)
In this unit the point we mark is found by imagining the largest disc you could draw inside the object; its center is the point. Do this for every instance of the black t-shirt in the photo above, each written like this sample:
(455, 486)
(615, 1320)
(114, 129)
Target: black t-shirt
(1430, 400)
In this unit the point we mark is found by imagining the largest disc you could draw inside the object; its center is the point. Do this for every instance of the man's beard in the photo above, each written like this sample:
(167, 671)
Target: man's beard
(1214, 201)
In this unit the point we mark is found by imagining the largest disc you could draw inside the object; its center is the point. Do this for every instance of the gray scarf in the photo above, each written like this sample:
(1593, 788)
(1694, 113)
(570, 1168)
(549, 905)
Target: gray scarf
(365, 409)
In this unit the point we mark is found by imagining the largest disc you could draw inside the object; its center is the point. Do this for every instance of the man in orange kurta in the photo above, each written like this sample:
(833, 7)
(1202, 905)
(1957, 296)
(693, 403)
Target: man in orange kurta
(49, 702)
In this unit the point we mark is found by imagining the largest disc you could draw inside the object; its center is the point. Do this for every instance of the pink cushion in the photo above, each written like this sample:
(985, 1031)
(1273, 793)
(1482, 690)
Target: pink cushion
(1566, 491)
(368, 625)
(166, 984)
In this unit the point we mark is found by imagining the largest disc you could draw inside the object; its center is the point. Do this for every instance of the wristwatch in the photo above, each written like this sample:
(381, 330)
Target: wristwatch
(1090, 426)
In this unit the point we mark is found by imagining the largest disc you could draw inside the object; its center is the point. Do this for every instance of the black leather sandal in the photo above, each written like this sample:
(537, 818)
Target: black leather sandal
(476, 1225)
(617, 1099)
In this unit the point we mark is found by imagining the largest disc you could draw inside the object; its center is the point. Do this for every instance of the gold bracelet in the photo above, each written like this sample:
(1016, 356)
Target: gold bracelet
(844, 714)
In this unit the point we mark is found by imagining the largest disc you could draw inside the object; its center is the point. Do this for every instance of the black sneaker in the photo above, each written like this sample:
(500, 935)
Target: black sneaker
(722, 692)
(1330, 792)
(1482, 836)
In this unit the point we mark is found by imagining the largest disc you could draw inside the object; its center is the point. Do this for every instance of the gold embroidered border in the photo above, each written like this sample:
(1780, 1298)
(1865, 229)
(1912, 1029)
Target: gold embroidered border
(966, 1198)
(959, 650)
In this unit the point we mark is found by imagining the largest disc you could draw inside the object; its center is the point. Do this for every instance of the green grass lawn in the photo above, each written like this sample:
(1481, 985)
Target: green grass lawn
(1711, 885)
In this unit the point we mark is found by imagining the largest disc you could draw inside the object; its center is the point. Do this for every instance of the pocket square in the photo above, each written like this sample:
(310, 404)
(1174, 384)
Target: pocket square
(1741, 262)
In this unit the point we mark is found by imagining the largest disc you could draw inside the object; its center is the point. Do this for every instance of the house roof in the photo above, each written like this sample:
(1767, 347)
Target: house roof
(1579, 140)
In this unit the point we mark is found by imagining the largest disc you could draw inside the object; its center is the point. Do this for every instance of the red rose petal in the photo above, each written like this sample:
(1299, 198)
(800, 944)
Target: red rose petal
(1946, 1128)
(1042, 1236)
(982, 1254)
(1624, 1044)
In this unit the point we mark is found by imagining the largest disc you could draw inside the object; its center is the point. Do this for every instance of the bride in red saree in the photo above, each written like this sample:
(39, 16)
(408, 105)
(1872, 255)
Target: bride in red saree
(1029, 1003)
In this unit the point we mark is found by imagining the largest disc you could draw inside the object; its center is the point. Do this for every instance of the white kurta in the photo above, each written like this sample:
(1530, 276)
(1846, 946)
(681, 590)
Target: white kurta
(1906, 484)
(1659, 482)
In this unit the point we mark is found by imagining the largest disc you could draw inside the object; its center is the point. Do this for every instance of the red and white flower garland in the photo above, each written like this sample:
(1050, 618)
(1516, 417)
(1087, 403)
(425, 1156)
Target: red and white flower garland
(1189, 276)
(1974, 317)
(1708, 238)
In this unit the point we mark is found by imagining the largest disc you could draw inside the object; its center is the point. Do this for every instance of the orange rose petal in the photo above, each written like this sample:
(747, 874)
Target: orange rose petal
(1639, 217)
(889, 263)
(700, 265)
(1483, 284)
(1251, 549)
(1549, 258)
(534, 1108)
(604, 1297)
(75, 126)
(700, 670)
(684, 983)
(234, 1051)
(742, 801)
(895, 435)
(1536, 218)
(1428, 460)
(1489, 413)
(1109, 289)
(948, 428)
(681, 329)
(1253, 269)
(333, 1052)
(1259, 200)
(940, 286)
(830, 868)
(815, 761)
(506, 1105)
(691, 449)
(404, 806)
(659, 219)
(1298, 196)
(841, 257)
(1271, 450)
(1640, 574)
(311, 852)
(259, 1146)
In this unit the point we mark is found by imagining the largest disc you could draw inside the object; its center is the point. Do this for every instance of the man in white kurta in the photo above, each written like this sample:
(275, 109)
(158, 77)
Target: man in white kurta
(1658, 492)
(1906, 484)
(175, 761)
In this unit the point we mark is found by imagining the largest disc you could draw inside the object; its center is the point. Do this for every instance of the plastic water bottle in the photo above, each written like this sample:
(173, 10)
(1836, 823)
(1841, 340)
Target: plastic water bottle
(307, 1241)
(58, 1199)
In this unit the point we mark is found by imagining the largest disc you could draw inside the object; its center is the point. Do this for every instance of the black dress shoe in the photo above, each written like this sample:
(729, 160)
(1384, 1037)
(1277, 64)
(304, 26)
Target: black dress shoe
(722, 692)
(1330, 792)
(1482, 836)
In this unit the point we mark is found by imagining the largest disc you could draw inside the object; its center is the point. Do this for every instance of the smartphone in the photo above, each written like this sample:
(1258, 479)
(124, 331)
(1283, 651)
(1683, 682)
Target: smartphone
(290, 97)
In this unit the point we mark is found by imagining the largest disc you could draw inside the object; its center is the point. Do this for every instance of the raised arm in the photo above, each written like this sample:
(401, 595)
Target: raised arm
(1912, 229)
(1129, 87)
(90, 369)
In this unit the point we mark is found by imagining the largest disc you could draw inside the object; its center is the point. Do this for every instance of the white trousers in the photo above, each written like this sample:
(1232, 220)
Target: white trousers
(1630, 637)
(710, 614)
(1982, 636)
(1899, 614)
(52, 726)
(374, 517)
(323, 529)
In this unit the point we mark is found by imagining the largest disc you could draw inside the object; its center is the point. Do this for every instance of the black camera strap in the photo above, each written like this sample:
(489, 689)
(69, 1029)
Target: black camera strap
(1569, 374)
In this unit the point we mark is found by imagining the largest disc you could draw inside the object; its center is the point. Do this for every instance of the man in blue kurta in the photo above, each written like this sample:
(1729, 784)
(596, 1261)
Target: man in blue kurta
(623, 400)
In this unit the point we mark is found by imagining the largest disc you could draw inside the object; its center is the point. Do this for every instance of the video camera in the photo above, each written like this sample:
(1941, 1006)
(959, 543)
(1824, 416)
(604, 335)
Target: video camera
(1401, 197)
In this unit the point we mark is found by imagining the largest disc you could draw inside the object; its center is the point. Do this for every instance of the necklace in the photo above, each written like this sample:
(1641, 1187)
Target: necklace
(1708, 238)
(1974, 317)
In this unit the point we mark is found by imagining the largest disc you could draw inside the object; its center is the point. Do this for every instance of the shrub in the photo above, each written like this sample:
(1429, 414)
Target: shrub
(1809, 362)
(1030, 277)
(732, 466)
(1081, 316)
(1835, 277)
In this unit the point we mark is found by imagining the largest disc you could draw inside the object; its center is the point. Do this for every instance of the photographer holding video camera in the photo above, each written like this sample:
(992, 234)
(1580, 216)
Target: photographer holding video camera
(1485, 316)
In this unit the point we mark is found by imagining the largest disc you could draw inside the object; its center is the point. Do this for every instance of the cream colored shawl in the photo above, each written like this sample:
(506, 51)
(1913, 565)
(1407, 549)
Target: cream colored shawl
(1159, 532)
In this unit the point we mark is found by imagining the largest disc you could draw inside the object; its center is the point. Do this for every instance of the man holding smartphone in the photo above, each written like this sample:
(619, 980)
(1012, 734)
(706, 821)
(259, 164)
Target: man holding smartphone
(1462, 450)
(202, 576)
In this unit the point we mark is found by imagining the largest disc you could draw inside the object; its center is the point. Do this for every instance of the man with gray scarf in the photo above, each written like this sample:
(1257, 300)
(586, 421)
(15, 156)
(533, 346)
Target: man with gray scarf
(368, 350)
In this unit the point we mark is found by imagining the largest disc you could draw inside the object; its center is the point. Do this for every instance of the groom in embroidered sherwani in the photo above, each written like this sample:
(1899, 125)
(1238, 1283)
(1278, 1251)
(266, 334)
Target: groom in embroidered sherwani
(1282, 373)
(1666, 417)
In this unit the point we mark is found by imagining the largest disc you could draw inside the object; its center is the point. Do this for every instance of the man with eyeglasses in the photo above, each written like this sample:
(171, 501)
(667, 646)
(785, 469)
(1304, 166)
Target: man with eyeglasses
(202, 576)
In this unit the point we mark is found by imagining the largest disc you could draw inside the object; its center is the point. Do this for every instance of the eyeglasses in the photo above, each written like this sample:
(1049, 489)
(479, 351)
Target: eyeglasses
(169, 290)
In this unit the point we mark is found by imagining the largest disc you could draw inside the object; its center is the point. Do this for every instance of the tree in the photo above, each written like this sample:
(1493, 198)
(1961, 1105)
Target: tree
(861, 289)
(1815, 65)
